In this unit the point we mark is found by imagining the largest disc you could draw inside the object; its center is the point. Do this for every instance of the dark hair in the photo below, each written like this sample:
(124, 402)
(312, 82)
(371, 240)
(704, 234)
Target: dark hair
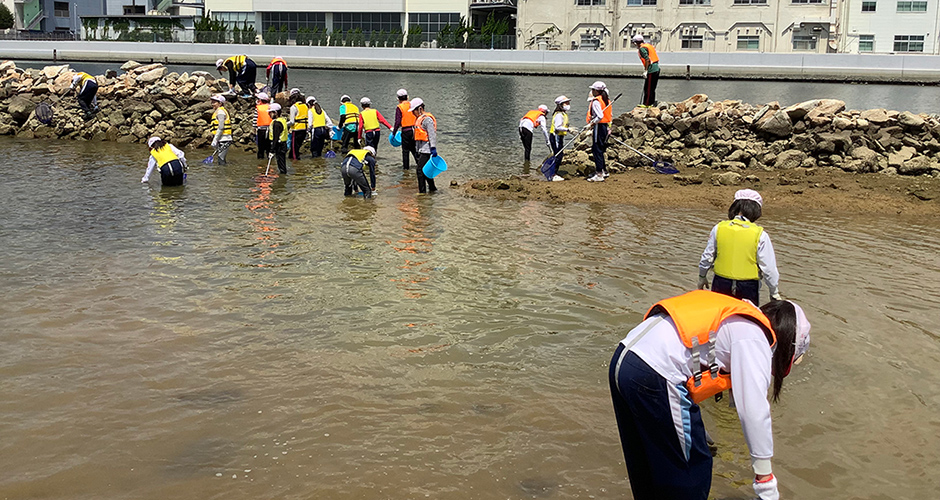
(159, 144)
(560, 107)
(298, 97)
(316, 106)
(403, 98)
(750, 209)
(782, 316)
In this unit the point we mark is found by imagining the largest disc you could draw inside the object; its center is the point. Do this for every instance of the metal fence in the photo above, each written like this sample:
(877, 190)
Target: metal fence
(39, 35)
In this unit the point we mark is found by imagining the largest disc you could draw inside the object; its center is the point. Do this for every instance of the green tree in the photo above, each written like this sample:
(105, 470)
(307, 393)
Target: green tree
(6, 17)
(414, 36)
(248, 34)
(285, 34)
(271, 36)
(445, 37)
(236, 34)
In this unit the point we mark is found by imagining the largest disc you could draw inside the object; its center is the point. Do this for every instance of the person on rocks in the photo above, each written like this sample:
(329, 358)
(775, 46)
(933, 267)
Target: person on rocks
(353, 171)
(650, 61)
(405, 121)
(687, 349)
(278, 133)
(425, 130)
(320, 126)
(369, 120)
(599, 116)
(262, 121)
(241, 71)
(86, 88)
(276, 73)
(221, 127)
(559, 129)
(533, 119)
(170, 160)
(741, 252)
(349, 121)
(298, 122)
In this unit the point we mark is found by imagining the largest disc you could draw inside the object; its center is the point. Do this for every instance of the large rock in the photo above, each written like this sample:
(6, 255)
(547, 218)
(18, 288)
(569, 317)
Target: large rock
(134, 106)
(166, 106)
(875, 116)
(130, 65)
(152, 75)
(916, 166)
(911, 120)
(6, 66)
(901, 156)
(778, 124)
(824, 113)
(143, 69)
(50, 72)
(798, 111)
(20, 108)
(868, 158)
(789, 159)
(727, 179)
(202, 94)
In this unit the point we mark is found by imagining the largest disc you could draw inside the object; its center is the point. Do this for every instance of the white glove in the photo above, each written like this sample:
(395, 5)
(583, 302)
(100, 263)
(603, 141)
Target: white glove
(644, 74)
(703, 282)
(270, 155)
(215, 143)
(767, 490)
(548, 144)
(144, 179)
(776, 295)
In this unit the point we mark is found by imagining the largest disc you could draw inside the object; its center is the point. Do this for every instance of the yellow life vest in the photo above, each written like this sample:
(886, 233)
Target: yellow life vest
(227, 129)
(238, 62)
(300, 121)
(163, 155)
(359, 154)
(352, 114)
(284, 132)
(697, 316)
(319, 119)
(736, 249)
(85, 78)
(563, 124)
(370, 119)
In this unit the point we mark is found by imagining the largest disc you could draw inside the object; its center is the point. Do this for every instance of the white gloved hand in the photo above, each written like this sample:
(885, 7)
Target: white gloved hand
(270, 155)
(776, 295)
(215, 143)
(767, 490)
(644, 74)
(144, 179)
(548, 144)
(703, 282)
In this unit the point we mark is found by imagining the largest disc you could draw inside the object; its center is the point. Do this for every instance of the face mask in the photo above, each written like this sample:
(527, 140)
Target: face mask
(566, 107)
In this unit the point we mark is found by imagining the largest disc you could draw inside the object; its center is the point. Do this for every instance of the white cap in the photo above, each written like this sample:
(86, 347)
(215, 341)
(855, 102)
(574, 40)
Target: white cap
(365, 100)
(543, 108)
(560, 99)
(263, 97)
(370, 149)
(599, 85)
(749, 194)
(219, 63)
(310, 98)
(416, 103)
(152, 141)
(801, 342)
(274, 107)
(344, 98)
(76, 78)
(294, 91)
(402, 93)
(217, 97)
(638, 38)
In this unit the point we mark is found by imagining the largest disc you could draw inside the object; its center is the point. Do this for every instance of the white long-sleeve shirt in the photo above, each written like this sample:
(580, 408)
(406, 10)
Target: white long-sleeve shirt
(152, 162)
(539, 122)
(741, 349)
(766, 258)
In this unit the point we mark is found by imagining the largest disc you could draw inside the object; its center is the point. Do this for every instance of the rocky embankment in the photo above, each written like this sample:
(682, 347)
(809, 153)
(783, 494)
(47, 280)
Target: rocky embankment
(732, 140)
(143, 101)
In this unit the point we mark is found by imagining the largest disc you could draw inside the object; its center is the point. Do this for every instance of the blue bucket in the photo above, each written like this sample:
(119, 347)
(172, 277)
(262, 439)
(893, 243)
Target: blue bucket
(337, 133)
(434, 167)
(395, 139)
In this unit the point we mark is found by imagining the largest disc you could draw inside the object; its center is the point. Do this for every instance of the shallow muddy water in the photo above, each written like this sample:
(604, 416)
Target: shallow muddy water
(245, 339)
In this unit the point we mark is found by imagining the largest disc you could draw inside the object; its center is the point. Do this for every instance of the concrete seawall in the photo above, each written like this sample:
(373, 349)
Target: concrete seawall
(738, 65)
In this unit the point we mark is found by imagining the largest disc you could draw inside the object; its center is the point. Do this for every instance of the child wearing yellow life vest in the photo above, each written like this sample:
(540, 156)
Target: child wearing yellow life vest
(349, 122)
(277, 136)
(353, 171)
(170, 160)
(87, 88)
(559, 129)
(320, 126)
(298, 122)
(688, 349)
(221, 128)
(369, 120)
(741, 252)
(242, 71)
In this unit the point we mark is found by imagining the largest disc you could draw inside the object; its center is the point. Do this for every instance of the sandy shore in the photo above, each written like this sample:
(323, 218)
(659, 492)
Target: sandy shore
(821, 190)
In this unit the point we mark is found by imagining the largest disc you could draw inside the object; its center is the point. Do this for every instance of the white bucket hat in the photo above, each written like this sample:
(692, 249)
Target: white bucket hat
(543, 108)
(561, 99)
(274, 107)
(217, 98)
(344, 98)
(370, 149)
(219, 63)
(749, 194)
(598, 85)
(263, 97)
(402, 93)
(638, 38)
(365, 100)
(416, 103)
(152, 141)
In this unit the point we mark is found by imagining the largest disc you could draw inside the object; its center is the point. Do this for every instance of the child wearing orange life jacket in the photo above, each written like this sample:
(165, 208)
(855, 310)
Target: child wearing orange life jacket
(527, 125)
(687, 349)
(425, 129)
(599, 117)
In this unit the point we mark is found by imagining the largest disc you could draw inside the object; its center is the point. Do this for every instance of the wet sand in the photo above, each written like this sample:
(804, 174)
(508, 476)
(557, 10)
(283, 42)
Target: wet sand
(817, 190)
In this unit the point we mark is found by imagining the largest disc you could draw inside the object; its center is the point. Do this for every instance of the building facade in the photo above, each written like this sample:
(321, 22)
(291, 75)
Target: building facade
(889, 26)
(807, 26)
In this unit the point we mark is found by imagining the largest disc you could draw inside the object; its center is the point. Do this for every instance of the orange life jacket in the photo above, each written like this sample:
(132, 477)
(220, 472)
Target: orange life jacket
(608, 111)
(533, 116)
(652, 53)
(264, 119)
(697, 316)
(420, 133)
(407, 117)
(277, 60)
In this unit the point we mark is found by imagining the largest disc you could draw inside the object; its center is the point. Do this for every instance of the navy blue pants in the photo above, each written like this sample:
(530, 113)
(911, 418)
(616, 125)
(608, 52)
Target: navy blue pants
(371, 138)
(656, 462)
(246, 78)
(296, 141)
(318, 140)
(599, 146)
(425, 183)
(278, 79)
(742, 289)
(171, 173)
(86, 98)
(408, 147)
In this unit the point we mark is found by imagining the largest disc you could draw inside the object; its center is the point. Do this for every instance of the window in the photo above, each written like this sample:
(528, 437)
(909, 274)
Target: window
(293, 20)
(906, 6)
(589, 2)
(235, 19)
(60, 9)
(807, 1)
(692, 42)
(641, 2)
(367, 21)
(750, 2)
(590, 41)
(131, 10)
(908, 43)
(748, 42)
(868, 6)
(695, 2)
(431, 23)
(804, 42)
(866, 43)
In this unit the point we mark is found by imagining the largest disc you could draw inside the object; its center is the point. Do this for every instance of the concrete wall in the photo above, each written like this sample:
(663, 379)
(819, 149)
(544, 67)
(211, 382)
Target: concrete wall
(836, 67)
